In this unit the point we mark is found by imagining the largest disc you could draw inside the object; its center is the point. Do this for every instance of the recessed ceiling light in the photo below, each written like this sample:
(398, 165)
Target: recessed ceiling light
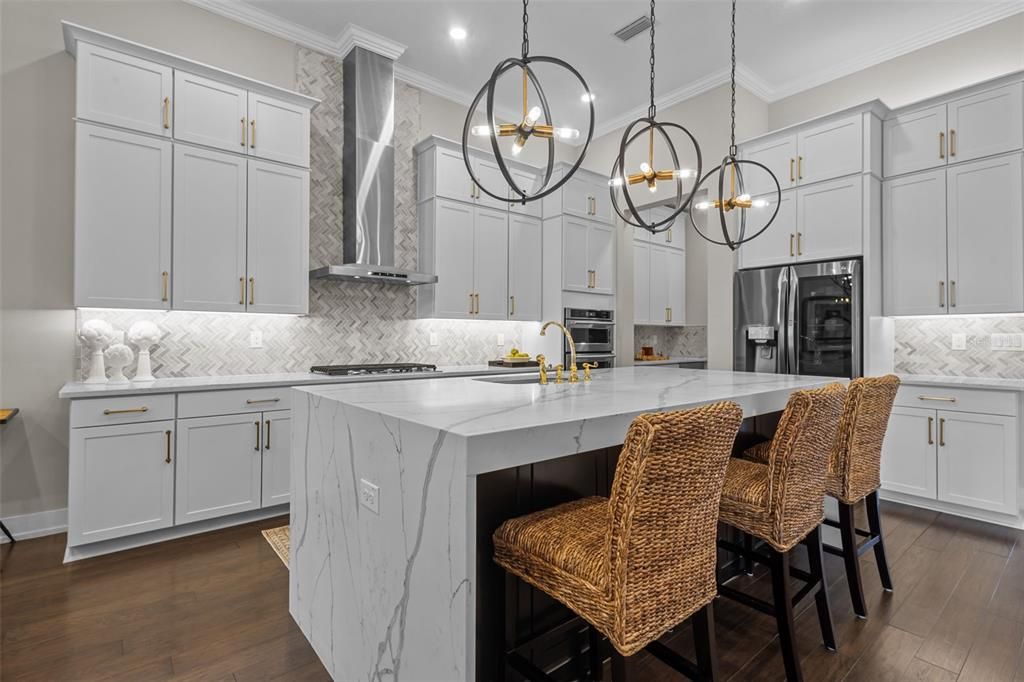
(457, 33)
(588, 97)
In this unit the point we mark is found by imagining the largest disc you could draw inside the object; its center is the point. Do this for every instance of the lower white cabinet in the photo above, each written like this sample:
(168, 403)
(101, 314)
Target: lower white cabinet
(908, 454)
(277, 463)
(121, 480)
(219, 466)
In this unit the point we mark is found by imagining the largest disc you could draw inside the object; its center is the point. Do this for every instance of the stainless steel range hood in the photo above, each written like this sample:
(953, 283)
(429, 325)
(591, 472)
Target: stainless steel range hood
(368, 175)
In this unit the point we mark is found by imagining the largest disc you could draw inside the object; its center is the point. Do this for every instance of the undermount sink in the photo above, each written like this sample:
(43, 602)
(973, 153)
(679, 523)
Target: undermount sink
(529, 379)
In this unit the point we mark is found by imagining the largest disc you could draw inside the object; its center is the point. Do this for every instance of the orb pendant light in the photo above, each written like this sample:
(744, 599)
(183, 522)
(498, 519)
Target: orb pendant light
(731, 195)
(619, 182)
(536, 122)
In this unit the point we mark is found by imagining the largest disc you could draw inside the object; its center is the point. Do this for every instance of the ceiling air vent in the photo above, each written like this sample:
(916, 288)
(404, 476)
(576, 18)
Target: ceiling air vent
(634, 28)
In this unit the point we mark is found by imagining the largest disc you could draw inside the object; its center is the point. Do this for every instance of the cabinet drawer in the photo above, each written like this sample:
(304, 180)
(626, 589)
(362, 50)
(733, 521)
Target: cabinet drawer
(958, 399)
(127, 410)
(208, 403)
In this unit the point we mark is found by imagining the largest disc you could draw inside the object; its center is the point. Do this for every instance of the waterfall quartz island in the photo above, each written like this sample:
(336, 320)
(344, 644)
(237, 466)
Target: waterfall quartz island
(397, 486)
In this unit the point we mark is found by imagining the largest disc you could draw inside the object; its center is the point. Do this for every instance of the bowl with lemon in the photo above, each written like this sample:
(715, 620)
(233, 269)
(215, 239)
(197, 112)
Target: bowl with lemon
(516, 357)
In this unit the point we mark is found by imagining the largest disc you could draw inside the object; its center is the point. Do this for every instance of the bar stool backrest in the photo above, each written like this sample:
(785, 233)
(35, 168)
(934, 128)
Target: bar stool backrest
(854, 468)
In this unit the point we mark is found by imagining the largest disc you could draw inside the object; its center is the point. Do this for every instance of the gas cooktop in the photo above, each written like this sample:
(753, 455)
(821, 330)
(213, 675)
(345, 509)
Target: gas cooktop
(361, 370)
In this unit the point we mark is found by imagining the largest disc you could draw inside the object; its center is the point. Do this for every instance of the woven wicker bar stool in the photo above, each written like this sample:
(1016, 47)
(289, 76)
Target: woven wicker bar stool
(854, 476)
(641, 562)
(781, 502)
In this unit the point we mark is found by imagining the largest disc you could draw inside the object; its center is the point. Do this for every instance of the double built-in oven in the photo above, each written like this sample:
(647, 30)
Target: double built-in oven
(593, 332)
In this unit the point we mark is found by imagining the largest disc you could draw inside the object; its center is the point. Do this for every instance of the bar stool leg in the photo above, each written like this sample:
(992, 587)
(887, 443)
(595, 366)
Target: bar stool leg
(816, 559)
(595, 655)
(746, 563)
(847, 530)
(622, 666)
(704, 642)
(783, 601)
(875, 526)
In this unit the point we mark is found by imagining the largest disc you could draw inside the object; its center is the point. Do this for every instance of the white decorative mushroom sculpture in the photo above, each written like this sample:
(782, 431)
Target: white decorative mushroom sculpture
(144, 335)
(95, 335)
(118, 356)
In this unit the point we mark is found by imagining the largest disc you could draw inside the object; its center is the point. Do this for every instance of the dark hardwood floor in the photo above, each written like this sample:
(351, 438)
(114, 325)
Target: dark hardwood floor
(215, 607)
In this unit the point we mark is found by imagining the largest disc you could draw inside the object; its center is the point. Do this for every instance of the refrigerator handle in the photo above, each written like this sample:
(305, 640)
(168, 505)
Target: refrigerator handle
(792, 338)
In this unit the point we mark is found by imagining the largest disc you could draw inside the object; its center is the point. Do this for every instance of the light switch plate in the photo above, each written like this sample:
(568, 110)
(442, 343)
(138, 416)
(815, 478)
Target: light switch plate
(1007, 342)
(959, 342)
(433, 339)
(501, 339)
(369, 495)
(255, 338)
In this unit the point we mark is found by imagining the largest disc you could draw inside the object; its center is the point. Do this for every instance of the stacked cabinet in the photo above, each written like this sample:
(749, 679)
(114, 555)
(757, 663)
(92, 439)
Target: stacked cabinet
(659, 272)
(228, 228)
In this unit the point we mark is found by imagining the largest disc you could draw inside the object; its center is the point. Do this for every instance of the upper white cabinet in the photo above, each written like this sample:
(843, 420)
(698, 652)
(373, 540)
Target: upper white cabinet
(124, 91)
(441, 172)
(122, 219)
(588, 256)
(585, 195)
(524, 267)
(978, 125)
(777, 244)
(659, 272)
(778, 154)
(161, 111)
(829, 219)
(278, 239)
(830, 150)
(954, 239)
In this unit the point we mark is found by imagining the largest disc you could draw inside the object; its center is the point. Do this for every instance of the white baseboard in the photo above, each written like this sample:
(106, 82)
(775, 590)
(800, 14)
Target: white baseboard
(953, 509)
(36, 525)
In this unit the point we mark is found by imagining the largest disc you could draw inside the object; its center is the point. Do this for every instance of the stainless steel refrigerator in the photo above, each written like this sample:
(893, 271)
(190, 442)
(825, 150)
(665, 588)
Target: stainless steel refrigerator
(800, 319)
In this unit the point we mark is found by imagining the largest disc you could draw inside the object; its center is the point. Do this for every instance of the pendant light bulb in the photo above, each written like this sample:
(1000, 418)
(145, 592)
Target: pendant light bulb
(617, 181)
(567, 133)
(683, 173)
(532, 117)
(760, 203)
(480, 131)
(702, 205)
(517, 146)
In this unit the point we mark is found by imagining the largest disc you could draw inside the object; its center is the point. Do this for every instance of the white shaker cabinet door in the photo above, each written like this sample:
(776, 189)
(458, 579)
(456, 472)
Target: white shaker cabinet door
(210, 113)
(123, 91)
(641, 282)
(908, 452)
(209, 230)
(278, 130)
(277, 462)
(775, 246)
(489, 175)
(601, 257)
(278, 239)
(977, 461)
(122, 219)
(778, 154)
(914, 244)
(914, 141)
(121, 480)
(219, 466)
(453, 260)
(529, 182)
(677, 288)
(828, 219)
(451, 179)
(988, 123)
(490, 263)
(661, 264)
(576, 275)
(985, 225)
(525, 262)
(675, 235)
(830, 150)
(577, 197)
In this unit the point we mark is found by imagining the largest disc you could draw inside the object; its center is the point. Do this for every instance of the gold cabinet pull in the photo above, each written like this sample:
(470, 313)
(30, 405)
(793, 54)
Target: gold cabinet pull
(952, 293)
(257, 446)
(668, 236)
(791, 237)
(952, 142)
(942, 145)
(931, 423)
(266, 437)
(799, 168)
(791, 176)
(942, 294)
(512, 306)
(167, 442)
(243, 131)
(477, 297)
(252, 290)
(130, 410)
(471, 304)
(163, 285)
(937, 398)
(167, 113)
(252, 133)
(942, 432)
(799, 244)
(261, 401)
(241, 291)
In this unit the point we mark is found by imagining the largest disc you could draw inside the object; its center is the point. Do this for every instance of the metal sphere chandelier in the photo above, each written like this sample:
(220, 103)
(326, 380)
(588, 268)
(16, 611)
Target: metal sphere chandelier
(732, 195)
(619, 181)
(536, 122)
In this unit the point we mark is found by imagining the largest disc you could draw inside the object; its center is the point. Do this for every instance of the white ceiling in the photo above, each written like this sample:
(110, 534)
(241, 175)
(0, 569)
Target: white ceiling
(784, 46)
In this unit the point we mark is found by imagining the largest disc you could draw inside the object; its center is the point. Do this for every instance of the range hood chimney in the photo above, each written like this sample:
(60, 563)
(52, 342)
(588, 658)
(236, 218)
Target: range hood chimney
(368, 175)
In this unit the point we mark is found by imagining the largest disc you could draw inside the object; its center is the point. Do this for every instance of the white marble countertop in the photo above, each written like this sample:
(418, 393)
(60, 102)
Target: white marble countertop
(995, 383)
(671, 361)
(78, 389)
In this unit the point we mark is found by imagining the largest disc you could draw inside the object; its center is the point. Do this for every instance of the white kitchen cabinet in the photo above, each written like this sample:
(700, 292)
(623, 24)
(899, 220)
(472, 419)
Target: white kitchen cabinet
(675, 236)
(777, 244)
(278, 130)
(584, 195)
(830, 150)
(122, 219)
(277, 468)
(219, 466)
(121, 480)
(988, 123)
(829, 220)
(209, 230)
(641, 282)
(442, 173)
(914, 247)
(490, 263)
(576, 270)
(210, 113)
(914, 141)
(985, 236)
(601, 258)
(908, 452)
(779, 155)
(525, 266)
(278, 239)
(124, 91)
(528, 181)
(677, 288)
(977, 461)
(659, 276)
(489, 175)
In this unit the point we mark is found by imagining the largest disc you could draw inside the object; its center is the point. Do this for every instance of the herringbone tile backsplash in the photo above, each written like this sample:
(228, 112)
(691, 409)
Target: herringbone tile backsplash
(924, 346)
(672, 341)
(347, 322)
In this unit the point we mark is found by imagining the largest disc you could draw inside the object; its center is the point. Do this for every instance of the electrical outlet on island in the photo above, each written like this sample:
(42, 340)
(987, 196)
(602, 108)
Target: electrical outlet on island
(369, 495)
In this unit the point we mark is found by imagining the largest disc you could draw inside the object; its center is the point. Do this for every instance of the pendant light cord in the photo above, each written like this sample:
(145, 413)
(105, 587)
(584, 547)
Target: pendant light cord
(526, 31)
(652, 110)
(732, 81)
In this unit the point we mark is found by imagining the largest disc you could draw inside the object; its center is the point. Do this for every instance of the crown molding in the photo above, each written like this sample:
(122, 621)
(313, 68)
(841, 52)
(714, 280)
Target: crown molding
(434, 86)
(357, 36)
(262, 20)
